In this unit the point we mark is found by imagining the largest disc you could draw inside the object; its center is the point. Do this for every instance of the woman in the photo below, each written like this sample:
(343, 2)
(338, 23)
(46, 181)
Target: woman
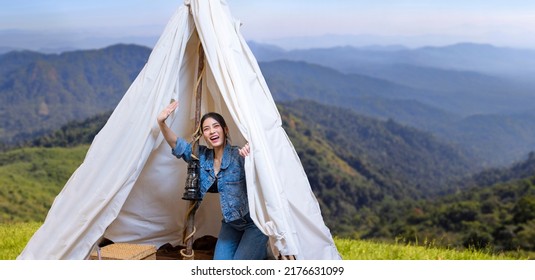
(221, 170)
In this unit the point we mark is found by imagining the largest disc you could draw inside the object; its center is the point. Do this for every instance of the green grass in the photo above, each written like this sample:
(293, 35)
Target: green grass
(15, 236)
(351, 249)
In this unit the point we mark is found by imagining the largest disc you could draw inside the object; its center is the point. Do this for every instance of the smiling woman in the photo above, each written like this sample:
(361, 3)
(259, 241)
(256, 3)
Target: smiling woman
(222, 171)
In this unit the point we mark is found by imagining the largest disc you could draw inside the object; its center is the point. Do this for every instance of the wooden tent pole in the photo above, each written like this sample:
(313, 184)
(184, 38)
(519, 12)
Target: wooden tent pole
(198, 95)
(192, 193)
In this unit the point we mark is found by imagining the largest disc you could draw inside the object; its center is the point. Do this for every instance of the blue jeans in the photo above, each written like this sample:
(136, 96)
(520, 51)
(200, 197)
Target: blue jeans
(240, 240)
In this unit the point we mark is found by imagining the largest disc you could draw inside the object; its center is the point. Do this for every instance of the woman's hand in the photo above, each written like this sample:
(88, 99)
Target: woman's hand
(167, 112)
(167, 133)
(245, 150)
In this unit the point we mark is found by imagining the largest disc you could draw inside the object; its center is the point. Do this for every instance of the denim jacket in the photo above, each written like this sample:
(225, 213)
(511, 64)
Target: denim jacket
(230, 179)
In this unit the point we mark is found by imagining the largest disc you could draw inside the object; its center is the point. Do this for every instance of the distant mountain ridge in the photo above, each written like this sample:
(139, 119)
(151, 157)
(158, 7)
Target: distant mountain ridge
(481, 58)
(464, 78)
(6, 49)
(473, 110)
(495, 139)
(371, 96)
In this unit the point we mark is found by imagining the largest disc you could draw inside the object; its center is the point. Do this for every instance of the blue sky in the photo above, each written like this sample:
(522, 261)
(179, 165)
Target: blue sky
(506, 23)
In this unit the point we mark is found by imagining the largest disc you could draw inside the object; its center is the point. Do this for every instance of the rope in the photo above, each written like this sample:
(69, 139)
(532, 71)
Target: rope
(193, 206)
(186, 238)
(191, 234)
(186, 256)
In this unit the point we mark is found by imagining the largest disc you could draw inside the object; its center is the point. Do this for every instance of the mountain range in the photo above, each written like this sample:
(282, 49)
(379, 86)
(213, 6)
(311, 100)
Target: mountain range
(490, 117)
(498, 138)
(516, 64)
(464, 79)
(473, 92)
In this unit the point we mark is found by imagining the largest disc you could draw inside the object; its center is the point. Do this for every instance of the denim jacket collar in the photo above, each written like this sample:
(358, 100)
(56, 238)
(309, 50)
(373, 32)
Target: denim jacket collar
(209, 163)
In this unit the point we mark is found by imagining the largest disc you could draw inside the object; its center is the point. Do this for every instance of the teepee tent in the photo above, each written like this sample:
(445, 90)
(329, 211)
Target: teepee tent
(129, 186)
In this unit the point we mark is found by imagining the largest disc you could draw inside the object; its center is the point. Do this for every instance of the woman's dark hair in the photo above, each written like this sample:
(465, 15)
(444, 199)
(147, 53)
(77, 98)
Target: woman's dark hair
(218, 118)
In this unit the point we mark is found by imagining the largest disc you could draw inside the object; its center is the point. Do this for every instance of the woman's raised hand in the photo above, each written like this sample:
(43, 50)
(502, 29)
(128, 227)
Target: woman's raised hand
(167, 111)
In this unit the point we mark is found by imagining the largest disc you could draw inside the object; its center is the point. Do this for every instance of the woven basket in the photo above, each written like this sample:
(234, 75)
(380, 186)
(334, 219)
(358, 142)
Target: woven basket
(125, 251)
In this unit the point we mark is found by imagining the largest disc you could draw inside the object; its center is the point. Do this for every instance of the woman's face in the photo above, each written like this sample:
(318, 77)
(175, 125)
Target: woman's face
(213, 132)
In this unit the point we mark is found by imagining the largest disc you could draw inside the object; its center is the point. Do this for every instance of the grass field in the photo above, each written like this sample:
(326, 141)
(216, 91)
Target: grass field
(13, 239)
(351, 249)
(31, 178)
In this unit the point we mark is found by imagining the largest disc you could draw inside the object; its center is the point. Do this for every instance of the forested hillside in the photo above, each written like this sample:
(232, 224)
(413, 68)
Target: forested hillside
(382, 150)
(40, 92)
(500, 216)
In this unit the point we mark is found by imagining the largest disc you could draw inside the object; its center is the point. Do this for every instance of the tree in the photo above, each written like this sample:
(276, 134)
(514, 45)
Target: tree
(524, 210)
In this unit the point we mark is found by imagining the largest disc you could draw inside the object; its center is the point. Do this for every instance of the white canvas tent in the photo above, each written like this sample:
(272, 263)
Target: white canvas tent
(129, 187)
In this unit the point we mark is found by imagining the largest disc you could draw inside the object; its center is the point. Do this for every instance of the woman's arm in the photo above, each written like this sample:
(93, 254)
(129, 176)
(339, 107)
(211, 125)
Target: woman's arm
(167, 133)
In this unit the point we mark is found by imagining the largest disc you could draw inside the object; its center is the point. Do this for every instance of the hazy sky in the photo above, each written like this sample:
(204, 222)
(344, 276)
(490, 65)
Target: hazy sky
(504, 22)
